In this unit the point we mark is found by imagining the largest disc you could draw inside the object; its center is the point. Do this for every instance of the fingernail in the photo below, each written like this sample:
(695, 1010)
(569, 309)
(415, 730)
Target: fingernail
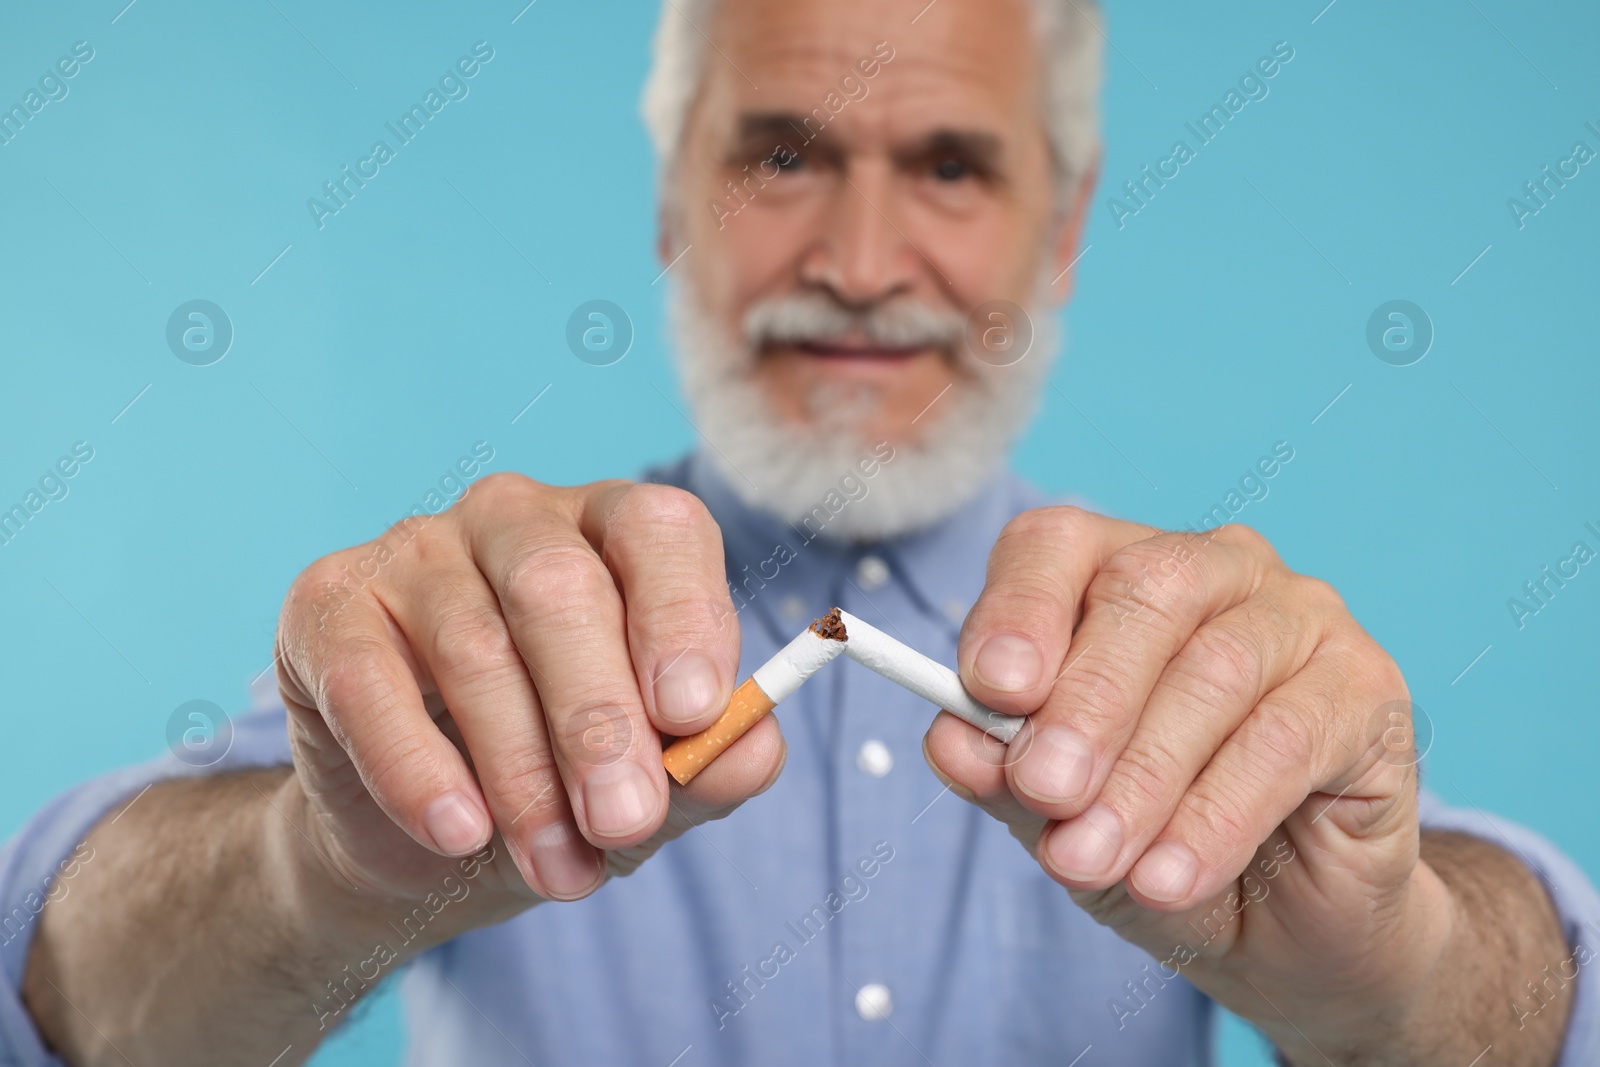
(1166, 873)
(565, 863)
(1008, 663)
(1086, 848)
(687, 687)
(1056, 767)
(618, 799)
(455, 824)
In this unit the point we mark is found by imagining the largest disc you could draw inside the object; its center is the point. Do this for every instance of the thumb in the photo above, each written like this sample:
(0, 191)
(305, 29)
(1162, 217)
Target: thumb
(747, 768)
(972, 765)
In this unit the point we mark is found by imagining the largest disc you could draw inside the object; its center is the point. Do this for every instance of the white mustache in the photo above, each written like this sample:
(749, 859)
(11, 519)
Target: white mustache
(812, 318)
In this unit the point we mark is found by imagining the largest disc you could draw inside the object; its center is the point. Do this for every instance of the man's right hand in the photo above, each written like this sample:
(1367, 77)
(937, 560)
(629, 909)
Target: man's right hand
(561, 627)
(506, 666)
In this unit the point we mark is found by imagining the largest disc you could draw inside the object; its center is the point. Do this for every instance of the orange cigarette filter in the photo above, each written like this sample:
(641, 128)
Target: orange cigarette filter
(755, 698)
(688, 756)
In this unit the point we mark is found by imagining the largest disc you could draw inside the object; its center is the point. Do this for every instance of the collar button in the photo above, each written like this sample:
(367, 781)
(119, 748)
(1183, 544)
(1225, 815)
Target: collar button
(874, 758)
(872, 572)
(873, 1002)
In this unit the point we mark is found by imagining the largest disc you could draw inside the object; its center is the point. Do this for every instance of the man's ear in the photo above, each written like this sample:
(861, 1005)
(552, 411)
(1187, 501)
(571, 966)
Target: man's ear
(1070, 232)
(663, 232)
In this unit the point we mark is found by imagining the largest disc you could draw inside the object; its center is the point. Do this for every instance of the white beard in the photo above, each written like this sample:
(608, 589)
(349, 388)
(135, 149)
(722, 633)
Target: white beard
(787, 469)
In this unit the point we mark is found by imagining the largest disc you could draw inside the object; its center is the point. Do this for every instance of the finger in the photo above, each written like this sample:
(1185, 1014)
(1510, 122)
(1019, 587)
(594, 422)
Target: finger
(350, 670)
(665, 551)
(747, 768)
(1202, 696)
(1292, 746)
(1208, 930)
(454, 625)
(564, 613)
(1140, 609)
(971, 764)
(1015, 636)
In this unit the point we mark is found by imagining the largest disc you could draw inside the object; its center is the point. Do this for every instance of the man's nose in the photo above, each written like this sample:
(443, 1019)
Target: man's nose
(861, 253)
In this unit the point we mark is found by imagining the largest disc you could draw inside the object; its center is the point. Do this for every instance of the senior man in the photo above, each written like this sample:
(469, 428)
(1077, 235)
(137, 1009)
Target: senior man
(1215, 796)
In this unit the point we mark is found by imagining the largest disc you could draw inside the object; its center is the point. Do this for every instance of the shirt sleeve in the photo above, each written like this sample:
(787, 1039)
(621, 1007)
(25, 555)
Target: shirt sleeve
(38, 864)
(1575, 902)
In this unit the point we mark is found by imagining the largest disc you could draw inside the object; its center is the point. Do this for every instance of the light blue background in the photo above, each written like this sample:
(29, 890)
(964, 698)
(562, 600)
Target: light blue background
(1220, 319)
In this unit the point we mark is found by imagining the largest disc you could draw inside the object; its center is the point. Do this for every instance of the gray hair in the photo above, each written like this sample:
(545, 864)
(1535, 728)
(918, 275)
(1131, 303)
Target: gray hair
(1069, 35)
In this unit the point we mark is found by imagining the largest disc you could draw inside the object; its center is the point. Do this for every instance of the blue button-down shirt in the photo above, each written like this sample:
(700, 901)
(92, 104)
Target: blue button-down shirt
(751, 940)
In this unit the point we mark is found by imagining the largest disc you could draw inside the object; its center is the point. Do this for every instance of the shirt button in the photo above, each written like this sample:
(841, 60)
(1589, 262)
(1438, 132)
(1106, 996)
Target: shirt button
(955, 610)
(793, 607)
(874, 758)
(872, 572)
(873, 1002)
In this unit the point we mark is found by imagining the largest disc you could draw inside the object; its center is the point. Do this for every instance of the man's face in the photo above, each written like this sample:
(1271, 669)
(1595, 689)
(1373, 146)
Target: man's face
(924, 189)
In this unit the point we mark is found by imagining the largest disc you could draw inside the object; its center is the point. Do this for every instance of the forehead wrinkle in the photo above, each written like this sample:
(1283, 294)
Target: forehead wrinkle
(904, 104)
(802, 42)
(833, 61)
(799, 74)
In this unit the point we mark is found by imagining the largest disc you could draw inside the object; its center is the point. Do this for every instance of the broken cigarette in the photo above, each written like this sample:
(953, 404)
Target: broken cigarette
(928, 678)
(770, 683)
(836, 632)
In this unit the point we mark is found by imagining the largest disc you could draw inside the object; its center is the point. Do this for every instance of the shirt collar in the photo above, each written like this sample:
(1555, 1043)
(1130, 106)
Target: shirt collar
(941, 566)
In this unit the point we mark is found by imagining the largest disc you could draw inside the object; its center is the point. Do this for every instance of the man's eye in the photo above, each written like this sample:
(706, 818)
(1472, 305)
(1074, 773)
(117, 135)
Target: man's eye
(951, 170)
(789, 161)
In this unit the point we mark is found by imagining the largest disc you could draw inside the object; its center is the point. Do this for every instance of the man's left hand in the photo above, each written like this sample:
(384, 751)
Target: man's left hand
(1217, 762)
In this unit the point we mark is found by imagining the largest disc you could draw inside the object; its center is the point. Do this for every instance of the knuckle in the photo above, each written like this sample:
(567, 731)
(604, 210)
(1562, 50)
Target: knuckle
(660, 512)
(1022, 587)
(1217, 665)
(425, 543)
(310, 583)
(1144, 777)
(1057, 521)
(1220, 811)
(1021, 607)
(550, 576)
(319, 592)
(400, 761)
(1321, 594)
(687, 613)
(1248, 538)
(1094, 693)
(1147, 577)
(1053, 525)
(1390, 683)
(1365, 671)
(358, 674)
(1280, 739)
(466, 643)
(1375, 674)
(503, 486)
(410, 546)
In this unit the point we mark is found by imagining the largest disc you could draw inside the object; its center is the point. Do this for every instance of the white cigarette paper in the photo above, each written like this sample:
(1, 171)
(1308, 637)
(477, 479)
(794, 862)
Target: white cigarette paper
(929, 679)
(781, 675)
(772, 682)
(777, 679)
